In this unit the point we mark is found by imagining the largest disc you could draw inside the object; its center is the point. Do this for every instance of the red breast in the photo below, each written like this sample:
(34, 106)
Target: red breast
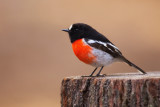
(83, 51)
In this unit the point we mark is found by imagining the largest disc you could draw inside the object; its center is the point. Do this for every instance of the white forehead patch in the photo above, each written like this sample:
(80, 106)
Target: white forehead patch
(70, 27)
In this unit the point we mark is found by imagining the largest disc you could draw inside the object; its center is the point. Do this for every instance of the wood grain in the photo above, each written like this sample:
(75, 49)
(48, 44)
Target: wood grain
(121, 90)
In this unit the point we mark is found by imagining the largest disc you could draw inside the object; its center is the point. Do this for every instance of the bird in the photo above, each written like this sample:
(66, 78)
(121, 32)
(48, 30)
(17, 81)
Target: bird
(93, 48)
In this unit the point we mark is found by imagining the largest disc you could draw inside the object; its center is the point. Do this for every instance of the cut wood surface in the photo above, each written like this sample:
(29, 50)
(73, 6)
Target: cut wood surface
(120, 90)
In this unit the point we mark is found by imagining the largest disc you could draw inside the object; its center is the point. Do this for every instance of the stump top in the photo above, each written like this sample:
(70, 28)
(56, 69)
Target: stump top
(127, 76)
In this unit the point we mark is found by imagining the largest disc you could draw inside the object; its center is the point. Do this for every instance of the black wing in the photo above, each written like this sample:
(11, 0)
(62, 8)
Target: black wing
(104, 46)
(112, 50)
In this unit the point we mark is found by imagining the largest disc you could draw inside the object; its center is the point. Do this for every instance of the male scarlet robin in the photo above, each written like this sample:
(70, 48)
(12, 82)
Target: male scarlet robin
(91, 47)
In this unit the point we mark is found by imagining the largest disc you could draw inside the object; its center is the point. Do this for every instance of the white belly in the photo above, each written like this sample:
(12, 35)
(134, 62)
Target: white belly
(102, 58)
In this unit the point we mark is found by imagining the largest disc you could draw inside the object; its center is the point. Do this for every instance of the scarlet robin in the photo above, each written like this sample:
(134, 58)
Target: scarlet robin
(91, 47)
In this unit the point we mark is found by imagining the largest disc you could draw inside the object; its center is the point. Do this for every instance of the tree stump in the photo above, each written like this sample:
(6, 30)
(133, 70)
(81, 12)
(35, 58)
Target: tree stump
(125, 90)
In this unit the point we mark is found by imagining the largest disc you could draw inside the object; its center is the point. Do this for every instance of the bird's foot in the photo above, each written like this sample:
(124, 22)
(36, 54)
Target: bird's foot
(101, 75)
(98, 75)
(87, 76)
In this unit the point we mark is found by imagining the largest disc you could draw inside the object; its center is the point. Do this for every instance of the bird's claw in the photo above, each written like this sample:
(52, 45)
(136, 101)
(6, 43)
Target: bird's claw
(101, 75)
(98, 75)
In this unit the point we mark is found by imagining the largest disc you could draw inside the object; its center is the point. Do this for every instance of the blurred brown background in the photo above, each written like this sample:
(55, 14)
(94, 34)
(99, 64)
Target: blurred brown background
(35, 55)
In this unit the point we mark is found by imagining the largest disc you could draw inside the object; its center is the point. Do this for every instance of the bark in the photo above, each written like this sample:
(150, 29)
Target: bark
(111, 91)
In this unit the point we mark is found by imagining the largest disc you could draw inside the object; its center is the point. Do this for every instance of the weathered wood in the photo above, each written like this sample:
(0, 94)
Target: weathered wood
(111, 91)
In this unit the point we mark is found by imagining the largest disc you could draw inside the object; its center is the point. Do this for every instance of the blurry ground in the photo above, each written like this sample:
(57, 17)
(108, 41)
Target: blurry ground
(35, 55)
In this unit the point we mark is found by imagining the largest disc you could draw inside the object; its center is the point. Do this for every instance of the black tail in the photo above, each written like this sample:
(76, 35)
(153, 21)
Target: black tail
(133, 65)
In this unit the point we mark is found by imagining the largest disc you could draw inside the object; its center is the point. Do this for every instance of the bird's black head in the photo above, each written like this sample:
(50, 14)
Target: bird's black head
(80, 30)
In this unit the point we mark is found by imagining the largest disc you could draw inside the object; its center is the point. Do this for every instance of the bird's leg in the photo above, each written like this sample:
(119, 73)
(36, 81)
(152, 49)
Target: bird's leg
(93, 72)
(98, 74)
(91, 75)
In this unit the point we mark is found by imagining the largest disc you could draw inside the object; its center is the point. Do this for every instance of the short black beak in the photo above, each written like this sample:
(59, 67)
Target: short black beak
(66, 30)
